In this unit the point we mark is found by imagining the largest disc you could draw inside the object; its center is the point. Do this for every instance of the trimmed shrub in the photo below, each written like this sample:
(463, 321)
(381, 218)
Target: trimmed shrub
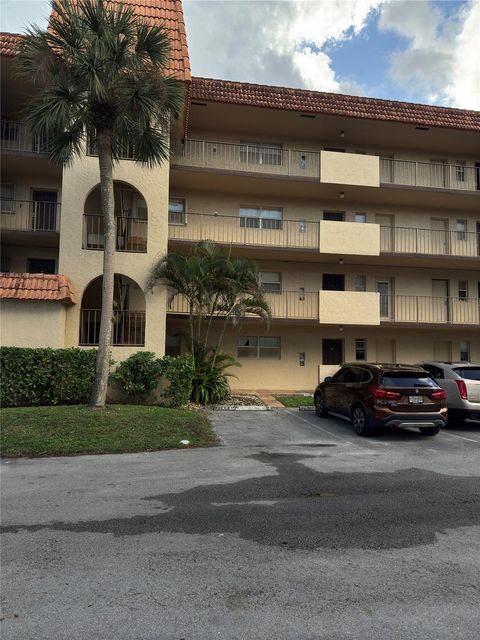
(46, 376)
(178, 370)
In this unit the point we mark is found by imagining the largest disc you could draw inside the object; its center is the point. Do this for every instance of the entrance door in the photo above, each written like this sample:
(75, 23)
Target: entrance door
(386, 232)
(440, 301)
(439, 243)
(386, 351)
(332, 351)
(44, 210)
(333, 282)
(384, 288)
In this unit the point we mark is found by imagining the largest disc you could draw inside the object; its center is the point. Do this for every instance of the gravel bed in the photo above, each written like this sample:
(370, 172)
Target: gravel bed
(232, 401)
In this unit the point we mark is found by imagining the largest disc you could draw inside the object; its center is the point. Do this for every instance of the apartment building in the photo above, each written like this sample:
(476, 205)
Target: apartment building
(363, 216)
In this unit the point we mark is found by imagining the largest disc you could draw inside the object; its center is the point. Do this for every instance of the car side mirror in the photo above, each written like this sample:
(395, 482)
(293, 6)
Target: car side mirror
(328, 379)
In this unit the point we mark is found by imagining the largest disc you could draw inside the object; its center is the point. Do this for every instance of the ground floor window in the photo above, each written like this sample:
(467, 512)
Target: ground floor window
(360, 349)
(267, 347)
(464, 351)
(41, 265)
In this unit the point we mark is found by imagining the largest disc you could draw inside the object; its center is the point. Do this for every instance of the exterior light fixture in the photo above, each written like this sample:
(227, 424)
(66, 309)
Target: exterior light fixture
(342, 194)
(342, 134)
(340, 328)
(341, 260)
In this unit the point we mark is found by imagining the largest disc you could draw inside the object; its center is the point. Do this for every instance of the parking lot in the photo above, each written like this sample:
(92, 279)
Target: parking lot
(293, 528)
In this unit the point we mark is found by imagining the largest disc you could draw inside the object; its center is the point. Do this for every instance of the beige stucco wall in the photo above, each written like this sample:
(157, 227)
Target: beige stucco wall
(83, 265)
(32, 323)
(19, 256)
(349, 238)
(349, 168)
(349, 307)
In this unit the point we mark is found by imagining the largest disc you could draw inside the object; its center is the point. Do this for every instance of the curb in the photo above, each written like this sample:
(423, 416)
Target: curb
(248, 407)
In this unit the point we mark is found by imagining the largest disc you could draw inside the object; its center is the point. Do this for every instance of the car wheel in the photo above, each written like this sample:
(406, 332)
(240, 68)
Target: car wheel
(360, 421)
(320, 408)
(429, 431)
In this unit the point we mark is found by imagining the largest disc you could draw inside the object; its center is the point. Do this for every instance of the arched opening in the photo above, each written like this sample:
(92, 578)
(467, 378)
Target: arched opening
(131, 218)
(128, 315)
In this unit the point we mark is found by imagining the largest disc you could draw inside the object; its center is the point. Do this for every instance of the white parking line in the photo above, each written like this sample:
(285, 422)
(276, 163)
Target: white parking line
(316, 426)
(454, 435)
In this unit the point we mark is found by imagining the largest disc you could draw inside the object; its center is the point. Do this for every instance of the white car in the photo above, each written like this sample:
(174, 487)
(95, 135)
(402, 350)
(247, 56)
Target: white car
(461, 382)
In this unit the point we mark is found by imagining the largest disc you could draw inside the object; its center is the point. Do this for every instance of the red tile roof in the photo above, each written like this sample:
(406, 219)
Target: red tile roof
(257, 95)
(36, 286)
(168, 13)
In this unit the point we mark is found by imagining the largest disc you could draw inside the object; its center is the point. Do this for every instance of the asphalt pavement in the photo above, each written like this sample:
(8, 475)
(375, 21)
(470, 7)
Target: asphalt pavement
(292, 528)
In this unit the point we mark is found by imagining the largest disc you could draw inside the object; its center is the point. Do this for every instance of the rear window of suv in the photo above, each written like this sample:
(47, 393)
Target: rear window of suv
(405, 379)
(469, 373)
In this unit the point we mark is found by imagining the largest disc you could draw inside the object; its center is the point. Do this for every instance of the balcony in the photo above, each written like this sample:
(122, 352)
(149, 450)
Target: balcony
(429, 175)
(131, 233)
(431, 242)
(16, 136)
(429, 310)
(30, 216)
(128, 328)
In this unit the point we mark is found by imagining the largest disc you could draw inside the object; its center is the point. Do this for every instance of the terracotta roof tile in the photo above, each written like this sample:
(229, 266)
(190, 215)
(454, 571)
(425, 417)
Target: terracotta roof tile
(168, 13)
(36, 286)
(257, 95)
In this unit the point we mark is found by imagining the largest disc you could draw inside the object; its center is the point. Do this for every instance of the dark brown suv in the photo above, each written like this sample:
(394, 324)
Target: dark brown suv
(383, 395)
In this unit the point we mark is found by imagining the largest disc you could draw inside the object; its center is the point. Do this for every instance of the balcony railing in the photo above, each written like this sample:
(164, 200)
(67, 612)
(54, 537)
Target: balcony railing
(429, 174)
(131, 233)
(290, 305)
(28, 215)
(429, 241)
(430, 310)
(128, 328)
(16, 136)
(247, 158)
(194, 227)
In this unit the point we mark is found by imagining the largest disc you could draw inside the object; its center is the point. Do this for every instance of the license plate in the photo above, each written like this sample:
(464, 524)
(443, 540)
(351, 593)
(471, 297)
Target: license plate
(415, 399)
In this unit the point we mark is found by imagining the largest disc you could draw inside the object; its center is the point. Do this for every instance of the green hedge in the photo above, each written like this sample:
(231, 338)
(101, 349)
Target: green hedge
(46, 376)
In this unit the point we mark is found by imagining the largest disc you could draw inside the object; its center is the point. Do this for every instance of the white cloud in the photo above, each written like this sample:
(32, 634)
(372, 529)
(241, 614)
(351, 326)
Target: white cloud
(440, 60)
(272, 42)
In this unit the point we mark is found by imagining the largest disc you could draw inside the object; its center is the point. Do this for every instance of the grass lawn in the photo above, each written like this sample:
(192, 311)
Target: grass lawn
(295, 401)
(73, 430)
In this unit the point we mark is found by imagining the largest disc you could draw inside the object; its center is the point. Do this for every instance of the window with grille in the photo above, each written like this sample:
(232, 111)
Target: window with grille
(259, 347)
(260, 218)
(176, 211)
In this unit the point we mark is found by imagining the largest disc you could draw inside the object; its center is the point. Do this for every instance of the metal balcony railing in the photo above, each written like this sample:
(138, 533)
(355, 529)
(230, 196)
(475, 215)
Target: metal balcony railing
(429, 241)
(248, 158)
(128, 328)
(430, 310)
(194, 227)
(131, 233)
(289, 305)
(28, 215)
(16, 136)
(429, 174)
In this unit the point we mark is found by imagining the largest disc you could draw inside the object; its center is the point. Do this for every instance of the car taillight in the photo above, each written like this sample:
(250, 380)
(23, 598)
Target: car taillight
(439, 395)
(383, 394)
(462, 389)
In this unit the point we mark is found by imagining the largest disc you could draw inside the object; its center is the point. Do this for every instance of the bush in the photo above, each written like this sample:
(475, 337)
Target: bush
(141, 373)
(210, 382)
(46, 376)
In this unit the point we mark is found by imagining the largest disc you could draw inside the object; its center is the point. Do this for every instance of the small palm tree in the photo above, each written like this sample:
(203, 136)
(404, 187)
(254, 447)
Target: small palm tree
(101, 71)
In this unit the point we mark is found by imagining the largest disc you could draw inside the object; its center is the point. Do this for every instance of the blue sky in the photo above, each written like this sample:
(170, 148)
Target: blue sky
(415, 50)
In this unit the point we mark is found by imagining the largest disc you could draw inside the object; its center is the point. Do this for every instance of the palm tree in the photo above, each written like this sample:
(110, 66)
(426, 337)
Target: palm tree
(101, 72)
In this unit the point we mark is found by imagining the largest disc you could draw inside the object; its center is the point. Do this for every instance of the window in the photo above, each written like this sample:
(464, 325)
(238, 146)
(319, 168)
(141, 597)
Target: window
(271, 281)
(333, 282)
(265, 347)
(334, 216)
(9, 130)
(462, 290)
(261, 153)
(176, 211)
(360, 283)
(469, 373)
(360, 349)
(332, 351)
(40, 265)
(361, 217)
(464, 351)
(436, 372)
(461, 229)
(260, 218)
(460, 171)
(404, 379)
(8, 198)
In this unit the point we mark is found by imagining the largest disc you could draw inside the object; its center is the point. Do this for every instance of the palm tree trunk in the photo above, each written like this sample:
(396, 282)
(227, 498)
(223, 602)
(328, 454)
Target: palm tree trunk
(99, 391)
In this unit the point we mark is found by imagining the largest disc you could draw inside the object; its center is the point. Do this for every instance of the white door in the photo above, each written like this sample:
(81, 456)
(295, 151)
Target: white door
(384, 288)
(439, 241)
(386, 351)
(439, 301)
(386, 232)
